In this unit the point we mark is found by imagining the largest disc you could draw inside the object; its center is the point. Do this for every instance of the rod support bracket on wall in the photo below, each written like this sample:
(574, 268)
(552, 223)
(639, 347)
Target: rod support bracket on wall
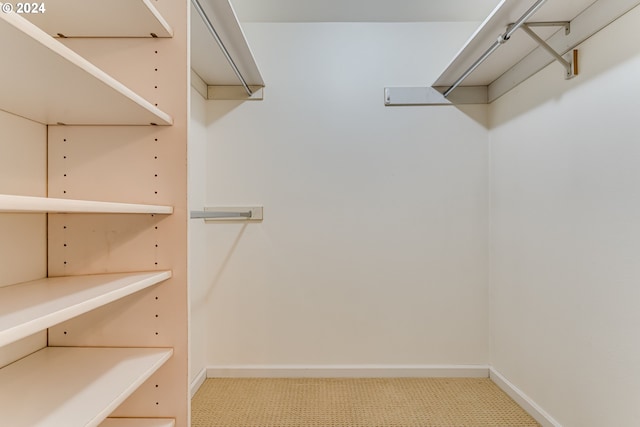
(253, 213)
(571, 65)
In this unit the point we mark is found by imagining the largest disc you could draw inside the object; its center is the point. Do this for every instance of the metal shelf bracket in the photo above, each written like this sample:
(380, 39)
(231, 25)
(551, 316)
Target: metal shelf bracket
(571, 65)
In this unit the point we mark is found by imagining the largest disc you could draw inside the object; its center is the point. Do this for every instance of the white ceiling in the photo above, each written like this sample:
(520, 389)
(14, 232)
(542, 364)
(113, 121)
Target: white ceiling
(362, 10)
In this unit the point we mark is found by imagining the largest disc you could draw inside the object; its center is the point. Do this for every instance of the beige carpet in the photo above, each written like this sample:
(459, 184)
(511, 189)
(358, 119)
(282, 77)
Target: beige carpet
(341, 402)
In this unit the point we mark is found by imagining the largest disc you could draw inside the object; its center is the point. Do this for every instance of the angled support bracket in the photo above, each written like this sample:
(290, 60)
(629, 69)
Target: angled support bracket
(571, 66)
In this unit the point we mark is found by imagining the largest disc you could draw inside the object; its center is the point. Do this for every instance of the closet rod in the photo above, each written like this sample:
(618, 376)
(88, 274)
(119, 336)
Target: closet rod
(220, 215)
(214, 33)
(501, 40)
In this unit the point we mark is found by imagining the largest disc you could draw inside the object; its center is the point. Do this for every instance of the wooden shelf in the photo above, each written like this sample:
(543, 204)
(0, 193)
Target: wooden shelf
(138, 422)
(29, 307)
(112, 18)
(520, 57)
(43, 80)
(207, 59)
(30, 204)
(67, 386)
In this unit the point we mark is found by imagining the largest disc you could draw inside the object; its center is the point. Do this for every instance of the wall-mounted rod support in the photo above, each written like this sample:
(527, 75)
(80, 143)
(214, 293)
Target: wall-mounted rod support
(501, 40)
(225, 52)
(220, 215)
(571, 72)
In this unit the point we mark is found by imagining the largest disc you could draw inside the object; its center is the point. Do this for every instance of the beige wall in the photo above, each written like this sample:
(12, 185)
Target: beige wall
(23, 246)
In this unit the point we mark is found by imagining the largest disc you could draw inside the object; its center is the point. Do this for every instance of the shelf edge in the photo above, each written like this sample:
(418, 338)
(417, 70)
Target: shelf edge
(34, 325)
(123, 370)
(32, 204)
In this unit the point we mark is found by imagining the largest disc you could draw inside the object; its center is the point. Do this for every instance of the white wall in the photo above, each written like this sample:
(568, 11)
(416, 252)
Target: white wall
(197, 259)
(566, 234)
(373, 247)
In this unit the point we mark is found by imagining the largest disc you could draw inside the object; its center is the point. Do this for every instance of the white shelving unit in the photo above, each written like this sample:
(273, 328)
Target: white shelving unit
(107, 337)
(61, 386)
(214, 76)
(43, 71)
(24, 204)
(27, 308)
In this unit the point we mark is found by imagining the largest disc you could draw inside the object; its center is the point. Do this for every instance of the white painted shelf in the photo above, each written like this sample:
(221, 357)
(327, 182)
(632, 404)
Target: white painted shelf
(520, 57)
(67, 386)
(45, 81)
(97, 18)
(29, 307)
(138, 422)
(207, 59)
(30, 204)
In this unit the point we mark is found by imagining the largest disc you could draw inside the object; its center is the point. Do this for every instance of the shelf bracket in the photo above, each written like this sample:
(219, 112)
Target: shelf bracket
(565, 24)
(571, 66)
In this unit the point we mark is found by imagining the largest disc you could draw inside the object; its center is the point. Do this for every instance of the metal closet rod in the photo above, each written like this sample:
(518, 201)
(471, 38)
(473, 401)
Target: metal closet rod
(501, 40)
(214, 33)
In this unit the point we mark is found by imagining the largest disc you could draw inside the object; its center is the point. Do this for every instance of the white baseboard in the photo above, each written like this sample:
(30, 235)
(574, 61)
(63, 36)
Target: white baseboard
(346, 371)
(198, 381)
(539, 414)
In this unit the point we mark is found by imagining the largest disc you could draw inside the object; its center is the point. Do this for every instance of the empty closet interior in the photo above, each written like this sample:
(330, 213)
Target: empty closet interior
(491, 238)
(429, 189)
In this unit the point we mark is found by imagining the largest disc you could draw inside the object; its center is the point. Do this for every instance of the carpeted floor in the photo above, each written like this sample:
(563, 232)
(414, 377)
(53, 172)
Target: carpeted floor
(362, 402)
